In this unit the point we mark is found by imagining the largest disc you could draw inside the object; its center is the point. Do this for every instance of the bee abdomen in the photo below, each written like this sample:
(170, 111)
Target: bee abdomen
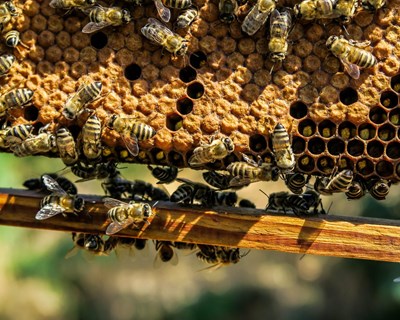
(143, 131)
(17, 97)
(6, 62)
(177, 4)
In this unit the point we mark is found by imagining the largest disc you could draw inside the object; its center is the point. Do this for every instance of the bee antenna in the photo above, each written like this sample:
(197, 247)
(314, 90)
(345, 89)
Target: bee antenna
(329, 207)
(272, 69)
(264, 193)
(155, 203)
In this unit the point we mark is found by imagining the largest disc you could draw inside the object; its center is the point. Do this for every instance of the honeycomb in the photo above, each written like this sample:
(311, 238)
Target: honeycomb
(223, 85)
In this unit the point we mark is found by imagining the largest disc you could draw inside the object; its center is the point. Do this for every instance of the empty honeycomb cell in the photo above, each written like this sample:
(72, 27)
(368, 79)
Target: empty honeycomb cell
(347, 130)
(393, 150)
(348, 96)
(377, 115)
(394, 116)
(326, 164)
(174, 122)
(184, 105)
(298, 109)
(327, 128)
(31, 113)
(366, 131)
(375, 149)
(395, 83)
(389, 99)
(132, 72)
(307, 128)
(365, 167)
(355, 147)
(175, 159)
(384, 168)
(195, 90)
(187, 74)
(257, 143)
(316, 145)
(306, 163)
(386, 132)
(336, 146)
(298, 145)
(230, 159)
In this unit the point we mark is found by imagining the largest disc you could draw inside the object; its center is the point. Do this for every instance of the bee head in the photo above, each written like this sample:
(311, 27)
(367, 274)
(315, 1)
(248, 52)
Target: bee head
(110, 123)
(79, 239)
(227, 17)
(126, 16)
(182, 50)
(92, 242)
(11, 41)
(11, 8)
(275, 174)
(147, 210)
(330, 41)
(79, 204)
(231, 198)
(296, 11)
(229, 144)
(277, 56)
(90, 2)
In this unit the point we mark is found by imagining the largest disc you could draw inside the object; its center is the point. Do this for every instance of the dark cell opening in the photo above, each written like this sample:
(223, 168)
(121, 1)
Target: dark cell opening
(336, 146)
(306, 164)
(99, 40)
(298, 145)
(187, 74)
(229, 159)
(75, 130)
(316, 146)
(386, 132)
(36, 127)
(257, 143)
(347, 130)
(174, 122)
(393, 150)
(184, 105)
(216, 165)
(307, 127)
(375, 149)
(158, 155)
(348, 96)
(365, 167)
(366, 131)
(175, 159)
(298, 110)
(395, 83)
(326, 164)
(389, 99)
(327, 128)
(31, 113)
(355, 147)
(132, 72)
(394, 116)
(195, 90)
(384, 168)
(198, 59)
(377, 115)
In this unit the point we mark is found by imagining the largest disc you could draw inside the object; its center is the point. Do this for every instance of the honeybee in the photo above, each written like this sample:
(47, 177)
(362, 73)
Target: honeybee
(244, 203)
(14, 98)
(116, 186)
(71, 4)
(379, 189)
(17, 134)
(13, 40)
(250, 171)
(284, 201)
(338, 183)
(123, 214)
(66, 147)
(216, 150)
(356, 190)
(91, 138)
(219, 256)
(38, 184)
(58, 202)
(155, 31)
(185, 193)
(227, 10)
(86, 93)
(164, 174)
(144, 190)
(345, 9)
(89, 172)
(373, 4)
(315, 9)
(165, 253)
(186, 18)
(282, 149)
(42, 143)
(257, 16)
(6, 62)
(218, 180)
(280, 24)
(92, 243)
(131, 132)
(296, 182)
(7, 11)
(101, 17)
(351, 55)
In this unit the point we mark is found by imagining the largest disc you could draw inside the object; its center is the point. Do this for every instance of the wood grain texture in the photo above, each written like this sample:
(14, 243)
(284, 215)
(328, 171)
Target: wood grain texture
(361, 238)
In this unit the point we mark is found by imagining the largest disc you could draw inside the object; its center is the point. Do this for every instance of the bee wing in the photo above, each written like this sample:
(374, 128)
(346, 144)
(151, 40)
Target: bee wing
(158, 34)
(95, 26)
(163, 11)
(72, 252)
(352, 69)
(157, 263)
(360, 44)
(52, 185)
(53, 3)
(131, 143)
(48, 211)
(111, 202)
(115, 227)
(240, 181)
(249, 160)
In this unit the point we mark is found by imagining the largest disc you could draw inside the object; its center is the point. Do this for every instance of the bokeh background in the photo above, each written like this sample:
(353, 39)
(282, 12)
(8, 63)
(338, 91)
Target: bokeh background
(37, 282)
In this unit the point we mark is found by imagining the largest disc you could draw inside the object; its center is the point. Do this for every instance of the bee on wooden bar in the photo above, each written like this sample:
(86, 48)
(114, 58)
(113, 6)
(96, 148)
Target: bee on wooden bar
(164, 174)
(373, 5)
(338, 183)
(280, 25)
(71, 4)
(184, 193)
(296, 182)
(58, 202)
(184, 245)
(219, 256)
(379, 189)
(142, 190)
(217, 150)
(13, 99)
(92, 243)
(7, 11)
(165, 253)
(351, 54)
(89, 172)
(257, 16)
(227, 10)
(245, 203)
(101, 17)
(87, 92)
(37, 184)
(282, 149)
(6, 62)
(17, 134)
(219, 180)
(91, 138)
(186, 18)
(66, 147)
(42, 143)
(283, 201)
(116, 186)
(124, 214)
(131, 132)
(155, 31)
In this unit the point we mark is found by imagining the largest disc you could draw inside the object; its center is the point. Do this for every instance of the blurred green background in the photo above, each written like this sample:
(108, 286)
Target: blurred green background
(37, 282)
